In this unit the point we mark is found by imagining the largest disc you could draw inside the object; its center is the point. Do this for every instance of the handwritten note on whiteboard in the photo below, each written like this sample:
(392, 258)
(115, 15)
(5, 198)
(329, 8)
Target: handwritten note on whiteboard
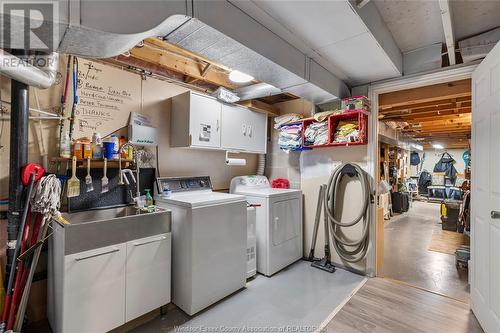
(106, 95)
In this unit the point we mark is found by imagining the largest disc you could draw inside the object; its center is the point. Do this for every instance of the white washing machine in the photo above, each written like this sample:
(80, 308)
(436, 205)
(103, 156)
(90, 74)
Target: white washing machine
(209, 241)
(279, 222)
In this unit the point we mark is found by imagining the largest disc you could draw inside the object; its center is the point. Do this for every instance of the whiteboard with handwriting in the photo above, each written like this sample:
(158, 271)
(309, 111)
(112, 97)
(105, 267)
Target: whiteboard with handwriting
(106, 96)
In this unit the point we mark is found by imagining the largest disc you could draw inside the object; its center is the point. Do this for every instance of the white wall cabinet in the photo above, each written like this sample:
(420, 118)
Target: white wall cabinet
(199, 121)
(93, 290)
(195, 121)
(243, 129)
(147, 275)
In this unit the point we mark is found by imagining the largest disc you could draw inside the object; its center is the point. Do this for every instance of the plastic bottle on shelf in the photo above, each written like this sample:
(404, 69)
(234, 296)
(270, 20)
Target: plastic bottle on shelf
(122, 142)
(65, 149)
(78, 149)
(116, 146)
(96, 145)
(86, 148)
(149, 198)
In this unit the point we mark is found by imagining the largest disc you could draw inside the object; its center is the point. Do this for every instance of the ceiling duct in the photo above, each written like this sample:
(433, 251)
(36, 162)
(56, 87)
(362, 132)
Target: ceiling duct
(479, 46)
(103, 29)
(257, 90)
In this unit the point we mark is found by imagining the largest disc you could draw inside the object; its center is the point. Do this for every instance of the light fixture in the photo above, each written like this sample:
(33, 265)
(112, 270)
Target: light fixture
(437, 146)
(239, 77)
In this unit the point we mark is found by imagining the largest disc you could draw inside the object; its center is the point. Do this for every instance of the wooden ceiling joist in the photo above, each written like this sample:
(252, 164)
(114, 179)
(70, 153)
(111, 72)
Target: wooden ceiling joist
(440, 112)
(442, 103)
(419, 118)
(180, 64)
(431, 93)
(424, 114)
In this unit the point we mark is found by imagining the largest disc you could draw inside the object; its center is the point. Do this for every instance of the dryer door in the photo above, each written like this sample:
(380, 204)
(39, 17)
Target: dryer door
(285, 219)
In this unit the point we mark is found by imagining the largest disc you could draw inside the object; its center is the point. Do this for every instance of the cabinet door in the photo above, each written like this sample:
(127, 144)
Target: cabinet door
(94, 290)
(148, 274)
(204, 121)
(243, 129)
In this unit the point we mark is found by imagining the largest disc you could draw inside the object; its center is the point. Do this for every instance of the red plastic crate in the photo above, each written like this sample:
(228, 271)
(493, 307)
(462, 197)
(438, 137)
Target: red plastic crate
(362, 119)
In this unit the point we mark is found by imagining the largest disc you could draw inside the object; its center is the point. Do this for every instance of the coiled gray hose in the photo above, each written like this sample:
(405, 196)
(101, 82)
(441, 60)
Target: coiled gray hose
(340, 242)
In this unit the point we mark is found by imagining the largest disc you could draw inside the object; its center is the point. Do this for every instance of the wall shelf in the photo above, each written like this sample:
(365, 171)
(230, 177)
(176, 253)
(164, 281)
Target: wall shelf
(94, 162)
(359, 115)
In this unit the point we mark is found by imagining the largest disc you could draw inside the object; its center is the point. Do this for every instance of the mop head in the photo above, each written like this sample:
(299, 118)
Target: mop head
(324, 264)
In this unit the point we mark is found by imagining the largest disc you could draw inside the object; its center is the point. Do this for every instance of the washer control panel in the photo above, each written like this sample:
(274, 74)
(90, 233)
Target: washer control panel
(183, 184)
(241, 182)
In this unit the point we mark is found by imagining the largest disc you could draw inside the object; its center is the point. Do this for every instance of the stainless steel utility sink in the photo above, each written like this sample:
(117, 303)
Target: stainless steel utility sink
(98, 228)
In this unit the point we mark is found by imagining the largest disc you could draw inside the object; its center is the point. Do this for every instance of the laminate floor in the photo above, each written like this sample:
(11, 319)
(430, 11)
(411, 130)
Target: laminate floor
(385, 306)
(407, 257)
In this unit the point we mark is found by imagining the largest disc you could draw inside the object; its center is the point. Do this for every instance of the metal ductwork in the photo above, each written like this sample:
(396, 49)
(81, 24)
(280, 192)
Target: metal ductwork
(216, 29)
(257, 90)
(41, 77)
(477, 47)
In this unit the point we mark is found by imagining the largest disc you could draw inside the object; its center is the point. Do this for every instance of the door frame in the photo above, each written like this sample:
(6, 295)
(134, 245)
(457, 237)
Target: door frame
(454, 73)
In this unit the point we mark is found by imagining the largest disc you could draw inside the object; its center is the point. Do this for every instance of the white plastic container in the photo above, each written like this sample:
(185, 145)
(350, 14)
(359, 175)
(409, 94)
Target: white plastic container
(96, 145)
(116, 146)
(65, 149)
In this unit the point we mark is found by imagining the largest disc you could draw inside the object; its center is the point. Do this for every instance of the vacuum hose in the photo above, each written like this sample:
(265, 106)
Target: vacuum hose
(348, 250)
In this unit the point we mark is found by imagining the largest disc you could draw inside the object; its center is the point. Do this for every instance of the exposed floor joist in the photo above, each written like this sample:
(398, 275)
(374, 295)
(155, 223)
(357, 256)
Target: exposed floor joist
(429, 114)
(173, 62)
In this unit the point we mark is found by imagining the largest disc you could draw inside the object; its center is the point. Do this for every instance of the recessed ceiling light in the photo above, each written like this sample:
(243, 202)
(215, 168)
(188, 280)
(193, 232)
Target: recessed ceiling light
(240, 77)
(437, 146)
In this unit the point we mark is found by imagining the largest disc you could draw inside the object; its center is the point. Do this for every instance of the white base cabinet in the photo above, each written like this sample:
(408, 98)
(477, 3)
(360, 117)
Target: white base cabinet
(93, 290)
(148, 275)
(98, 290)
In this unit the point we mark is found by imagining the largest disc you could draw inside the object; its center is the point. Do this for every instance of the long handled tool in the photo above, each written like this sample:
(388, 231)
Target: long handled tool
(46, 202)
(34, 262)
(73, 182)
(88, 178)
(23, 269)
(75, 98)
(35, 172)
(323, 263)
(104, 179)
(321, 195)
(63, 102)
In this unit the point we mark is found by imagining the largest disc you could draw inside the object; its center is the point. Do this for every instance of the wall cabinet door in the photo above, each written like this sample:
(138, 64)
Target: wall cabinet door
(204, 121)
(243, 129)
(147, 274)
(94, 297)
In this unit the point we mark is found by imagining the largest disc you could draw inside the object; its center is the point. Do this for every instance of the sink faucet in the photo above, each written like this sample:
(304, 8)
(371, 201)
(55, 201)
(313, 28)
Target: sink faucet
(137, 169)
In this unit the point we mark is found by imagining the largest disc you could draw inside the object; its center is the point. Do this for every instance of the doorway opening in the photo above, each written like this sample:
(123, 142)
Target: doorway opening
(423, 163)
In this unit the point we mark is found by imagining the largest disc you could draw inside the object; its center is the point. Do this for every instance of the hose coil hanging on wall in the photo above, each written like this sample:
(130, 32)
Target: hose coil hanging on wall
(349, 250)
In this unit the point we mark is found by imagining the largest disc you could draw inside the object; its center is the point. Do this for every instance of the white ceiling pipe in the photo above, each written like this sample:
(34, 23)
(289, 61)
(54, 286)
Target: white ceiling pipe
(22, 71)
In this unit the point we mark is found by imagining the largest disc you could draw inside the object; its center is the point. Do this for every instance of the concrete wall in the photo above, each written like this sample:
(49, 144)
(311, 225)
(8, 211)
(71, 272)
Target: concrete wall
(432, 156)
